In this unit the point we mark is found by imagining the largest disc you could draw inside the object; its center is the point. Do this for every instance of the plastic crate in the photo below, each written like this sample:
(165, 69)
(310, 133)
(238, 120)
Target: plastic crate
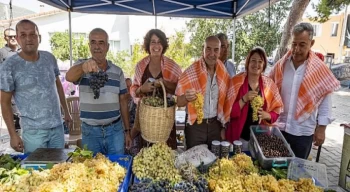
(255, 149)
(126, 162)
(300, 168)
(123, 160)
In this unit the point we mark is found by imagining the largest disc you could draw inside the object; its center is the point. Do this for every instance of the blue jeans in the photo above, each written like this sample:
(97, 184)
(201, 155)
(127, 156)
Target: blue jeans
(107, 140)
(43, 138)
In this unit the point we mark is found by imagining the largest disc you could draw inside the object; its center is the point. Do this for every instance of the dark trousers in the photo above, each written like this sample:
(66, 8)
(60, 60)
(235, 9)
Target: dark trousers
(204, 133)
(301, 145)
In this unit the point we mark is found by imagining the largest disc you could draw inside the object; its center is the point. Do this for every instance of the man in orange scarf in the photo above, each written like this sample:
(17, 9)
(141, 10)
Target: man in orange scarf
(208, 77)
(306, 85)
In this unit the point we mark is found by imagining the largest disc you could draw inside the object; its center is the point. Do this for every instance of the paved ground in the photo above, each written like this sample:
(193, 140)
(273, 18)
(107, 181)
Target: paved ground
(332, 148)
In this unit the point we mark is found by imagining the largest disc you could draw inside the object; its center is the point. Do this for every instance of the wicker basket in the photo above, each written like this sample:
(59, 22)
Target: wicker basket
(156, 123)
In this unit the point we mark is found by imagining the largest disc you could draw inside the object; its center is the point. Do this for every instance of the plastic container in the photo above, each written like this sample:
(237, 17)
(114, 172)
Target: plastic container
(300, 168)
(123, 160)
(255, 149)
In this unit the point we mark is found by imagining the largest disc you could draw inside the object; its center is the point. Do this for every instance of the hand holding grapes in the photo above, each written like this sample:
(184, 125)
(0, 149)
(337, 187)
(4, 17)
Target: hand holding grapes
(190, 95)
(147, 87)
(90, 66)
(263, 115)
(250, 96)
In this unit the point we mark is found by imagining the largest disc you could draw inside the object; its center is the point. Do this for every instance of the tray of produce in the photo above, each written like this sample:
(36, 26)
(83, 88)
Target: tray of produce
(269, 147)
(82, 173)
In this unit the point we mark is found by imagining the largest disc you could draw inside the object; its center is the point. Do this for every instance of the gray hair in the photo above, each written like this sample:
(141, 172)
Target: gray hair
(222, 36)
(99, 30)
(301, 27)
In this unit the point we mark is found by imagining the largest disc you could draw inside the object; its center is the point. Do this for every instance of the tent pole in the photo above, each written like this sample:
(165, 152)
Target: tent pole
(70, 38)
(233, 39)
(155, 24)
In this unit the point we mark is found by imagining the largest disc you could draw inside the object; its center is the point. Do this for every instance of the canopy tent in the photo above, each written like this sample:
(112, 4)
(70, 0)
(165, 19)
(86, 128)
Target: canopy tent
(225, 9)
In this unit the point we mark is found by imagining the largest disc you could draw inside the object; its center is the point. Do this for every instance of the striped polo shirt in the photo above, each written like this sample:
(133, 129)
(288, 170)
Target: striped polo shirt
(106, 108)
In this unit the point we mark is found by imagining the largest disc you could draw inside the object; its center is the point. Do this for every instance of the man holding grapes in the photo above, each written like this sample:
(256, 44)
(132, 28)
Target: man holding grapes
(103, 98)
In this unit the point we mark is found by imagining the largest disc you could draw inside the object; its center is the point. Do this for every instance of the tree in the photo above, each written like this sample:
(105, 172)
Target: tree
(59, 42)
(295, 14)
(178, 50)
(127, 62)
(257, 29)
(202, 28)
(326, 7)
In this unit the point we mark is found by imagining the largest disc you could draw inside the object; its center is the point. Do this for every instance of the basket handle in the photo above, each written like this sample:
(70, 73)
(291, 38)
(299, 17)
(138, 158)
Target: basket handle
(164, 94)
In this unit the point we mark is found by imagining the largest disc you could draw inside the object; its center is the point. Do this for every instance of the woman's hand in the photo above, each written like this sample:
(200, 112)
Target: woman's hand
(147, 87)
(157, 82)
(250, 96)
(263, 115)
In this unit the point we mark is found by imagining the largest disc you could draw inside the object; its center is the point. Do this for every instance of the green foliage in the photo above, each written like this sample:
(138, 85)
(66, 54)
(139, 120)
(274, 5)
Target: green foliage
(252, 30)
(326, 7)
(178, 50)
(59, 42)
(202, 28)
(127, 62)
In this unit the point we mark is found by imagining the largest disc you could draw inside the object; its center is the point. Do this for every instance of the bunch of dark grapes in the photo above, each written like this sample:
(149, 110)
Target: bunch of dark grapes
(147, 185)
(96, 81)
(200, 185)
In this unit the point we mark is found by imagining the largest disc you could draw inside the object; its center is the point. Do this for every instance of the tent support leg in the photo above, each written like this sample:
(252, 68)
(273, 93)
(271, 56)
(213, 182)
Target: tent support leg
(233, 40)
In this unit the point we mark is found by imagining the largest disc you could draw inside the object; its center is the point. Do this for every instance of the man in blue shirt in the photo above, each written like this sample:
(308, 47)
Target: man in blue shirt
(224, 51)
(102, 118)
(32, 78)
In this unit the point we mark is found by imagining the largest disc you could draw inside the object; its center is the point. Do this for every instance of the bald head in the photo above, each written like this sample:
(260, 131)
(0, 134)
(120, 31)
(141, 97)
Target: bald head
(212, 39)
(211, 50)
(99, 31)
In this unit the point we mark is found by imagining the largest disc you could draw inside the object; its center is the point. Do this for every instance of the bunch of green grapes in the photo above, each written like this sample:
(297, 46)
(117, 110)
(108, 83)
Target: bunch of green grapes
(256, 104)
(229, 184)
(156, 162)
(270, 183)
(223, 169)
(153, 101)
(306, 185)
(198, 105)
(286, 185)
(244, 164)
(252, 182)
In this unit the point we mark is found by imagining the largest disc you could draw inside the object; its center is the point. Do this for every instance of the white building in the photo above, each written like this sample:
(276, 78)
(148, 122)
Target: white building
(117, 26)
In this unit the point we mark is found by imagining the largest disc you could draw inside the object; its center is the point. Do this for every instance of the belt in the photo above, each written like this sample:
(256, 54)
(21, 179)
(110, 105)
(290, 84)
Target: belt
(210, 120)
(111, 123)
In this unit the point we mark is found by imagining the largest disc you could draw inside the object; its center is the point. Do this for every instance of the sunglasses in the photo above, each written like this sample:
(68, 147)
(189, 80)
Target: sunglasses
(10, 36)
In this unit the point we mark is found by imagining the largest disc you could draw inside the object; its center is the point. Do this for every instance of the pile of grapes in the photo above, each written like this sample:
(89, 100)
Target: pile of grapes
(96, 81)
(149, 185)
(200, 185)
(156, 162)
(158, 102)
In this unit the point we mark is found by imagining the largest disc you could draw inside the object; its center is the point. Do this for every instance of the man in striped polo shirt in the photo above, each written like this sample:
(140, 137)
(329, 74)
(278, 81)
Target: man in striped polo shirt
(102, 128)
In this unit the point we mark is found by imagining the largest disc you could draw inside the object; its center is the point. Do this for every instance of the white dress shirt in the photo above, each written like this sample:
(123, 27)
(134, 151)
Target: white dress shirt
(211, 98)
(292, 79)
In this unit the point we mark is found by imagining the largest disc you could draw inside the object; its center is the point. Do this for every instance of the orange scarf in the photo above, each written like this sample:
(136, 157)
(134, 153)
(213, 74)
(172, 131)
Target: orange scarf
(270, 93)
(170, 71)
(318, 81)
(195, 76)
